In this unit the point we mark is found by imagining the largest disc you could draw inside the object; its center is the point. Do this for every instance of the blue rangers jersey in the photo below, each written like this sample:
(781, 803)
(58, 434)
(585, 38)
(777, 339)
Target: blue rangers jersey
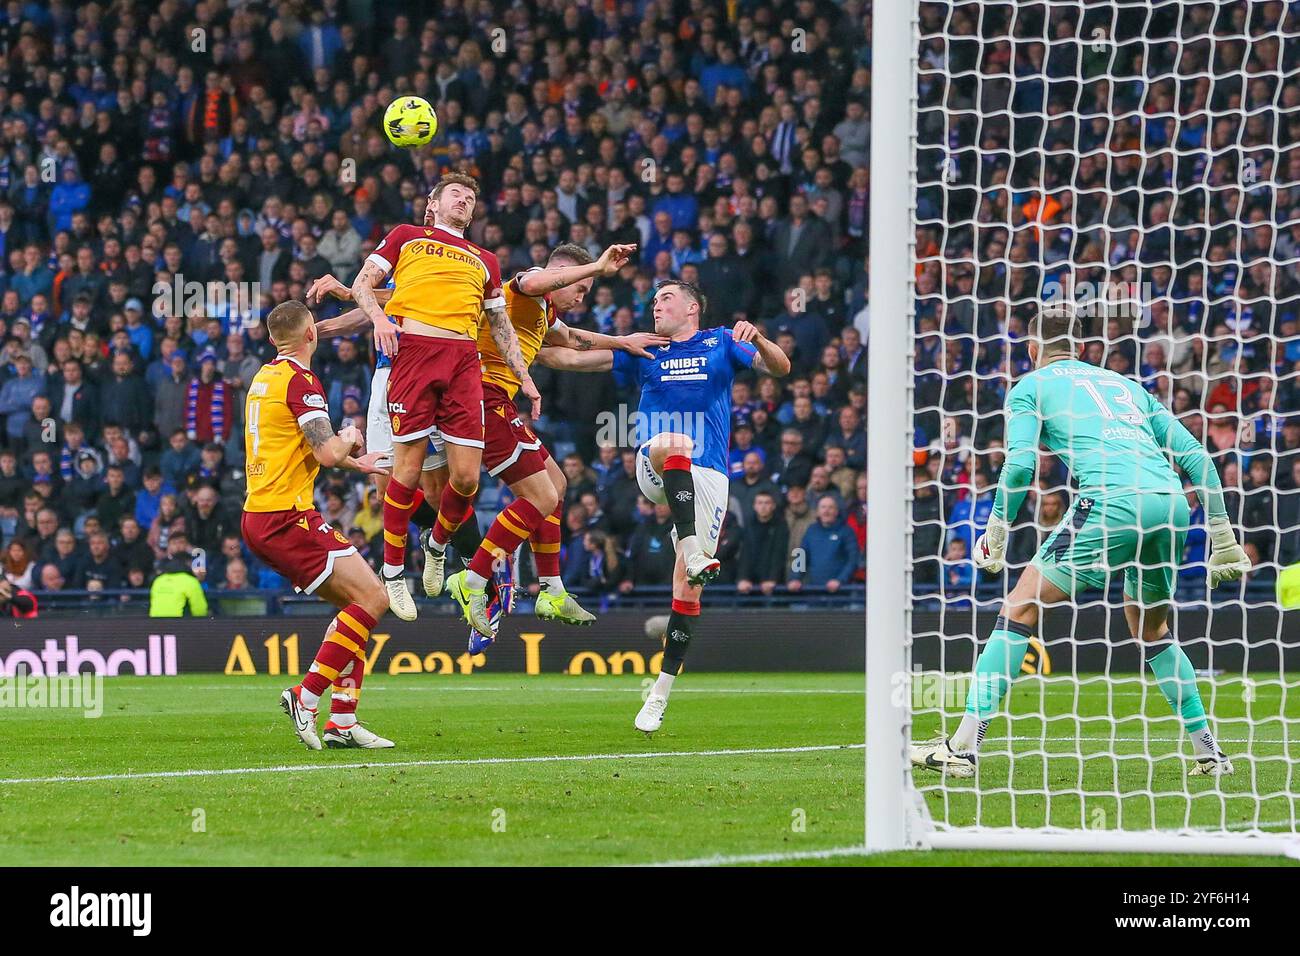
(686, 388)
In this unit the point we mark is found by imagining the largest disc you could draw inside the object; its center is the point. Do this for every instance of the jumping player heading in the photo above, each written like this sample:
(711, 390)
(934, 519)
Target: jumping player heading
(379, 427)
(442, 283)
(534, 301)
(683, 433)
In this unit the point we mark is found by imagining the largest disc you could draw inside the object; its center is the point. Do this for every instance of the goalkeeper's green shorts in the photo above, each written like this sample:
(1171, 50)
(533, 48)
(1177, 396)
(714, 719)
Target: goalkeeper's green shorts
(1143, 535)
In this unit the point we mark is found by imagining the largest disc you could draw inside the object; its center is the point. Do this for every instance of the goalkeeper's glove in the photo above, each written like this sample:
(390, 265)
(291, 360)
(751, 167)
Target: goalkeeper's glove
(991, 548)
(1228, 559)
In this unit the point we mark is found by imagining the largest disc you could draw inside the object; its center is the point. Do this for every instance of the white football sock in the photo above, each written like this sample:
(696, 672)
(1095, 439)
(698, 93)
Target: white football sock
(688, 545)
(437, 547)
(392, 570)
(969, 735)
(1204, 744)
(475, 580)
(664, 685)
(343, 720)
(552, 583)
(307, 698)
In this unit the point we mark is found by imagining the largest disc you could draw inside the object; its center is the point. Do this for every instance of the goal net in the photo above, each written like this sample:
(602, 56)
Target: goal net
(1142, 161)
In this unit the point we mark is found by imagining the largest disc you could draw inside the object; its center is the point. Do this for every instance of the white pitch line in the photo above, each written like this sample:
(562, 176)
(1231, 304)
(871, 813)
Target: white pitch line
(565, 690)
(454, 762)
(743, 859)
(1106, 739)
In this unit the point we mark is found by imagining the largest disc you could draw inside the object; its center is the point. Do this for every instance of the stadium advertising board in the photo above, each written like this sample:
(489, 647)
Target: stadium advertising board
(620, 643)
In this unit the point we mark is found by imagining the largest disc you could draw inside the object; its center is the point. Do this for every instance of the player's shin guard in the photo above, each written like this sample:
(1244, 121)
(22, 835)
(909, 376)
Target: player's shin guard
(399, 501)
(679, 487)
(1177, 681)
(997, 667)
(677, 640)
(511, 528)
(545, 543)
(453, 508)
(345, 641)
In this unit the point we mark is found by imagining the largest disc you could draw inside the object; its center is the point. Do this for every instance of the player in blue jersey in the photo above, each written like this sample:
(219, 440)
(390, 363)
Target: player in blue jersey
(683, 435)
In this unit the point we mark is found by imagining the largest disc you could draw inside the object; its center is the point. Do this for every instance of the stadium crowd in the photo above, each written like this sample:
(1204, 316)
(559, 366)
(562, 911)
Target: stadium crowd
(1163, 180)
(171, 171)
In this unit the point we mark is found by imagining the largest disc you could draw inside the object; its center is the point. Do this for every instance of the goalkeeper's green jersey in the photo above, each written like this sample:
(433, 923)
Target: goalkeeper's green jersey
(1112, 434)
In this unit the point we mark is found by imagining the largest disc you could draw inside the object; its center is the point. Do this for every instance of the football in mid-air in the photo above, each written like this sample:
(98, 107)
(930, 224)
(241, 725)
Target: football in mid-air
(409, 122)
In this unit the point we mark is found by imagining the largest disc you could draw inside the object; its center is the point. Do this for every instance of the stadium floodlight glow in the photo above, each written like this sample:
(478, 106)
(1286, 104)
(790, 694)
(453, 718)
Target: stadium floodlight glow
(1022, 152)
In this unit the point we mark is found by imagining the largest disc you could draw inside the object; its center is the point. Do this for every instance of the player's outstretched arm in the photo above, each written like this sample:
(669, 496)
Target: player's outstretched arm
(638, 343)
(769, 359)
(542, 281)
(328, 285)
(573, 360)
(349, 323)
(1228, 560)
(364, 289)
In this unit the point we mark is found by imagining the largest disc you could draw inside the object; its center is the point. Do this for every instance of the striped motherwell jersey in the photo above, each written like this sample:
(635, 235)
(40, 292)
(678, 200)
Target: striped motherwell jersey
(532, 316)
(439, 278)
(283, 396)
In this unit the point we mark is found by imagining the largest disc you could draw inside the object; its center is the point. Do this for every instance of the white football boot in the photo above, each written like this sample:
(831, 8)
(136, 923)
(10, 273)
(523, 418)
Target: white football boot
(1219, 766)
(701, 569)
(355, 736)
(435, 563)
(937, 755)
(303, 717)
(400, 601)
(651, 716)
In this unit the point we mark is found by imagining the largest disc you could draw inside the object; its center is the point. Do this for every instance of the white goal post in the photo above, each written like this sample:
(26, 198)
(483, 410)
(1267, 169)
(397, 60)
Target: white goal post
(977, 107)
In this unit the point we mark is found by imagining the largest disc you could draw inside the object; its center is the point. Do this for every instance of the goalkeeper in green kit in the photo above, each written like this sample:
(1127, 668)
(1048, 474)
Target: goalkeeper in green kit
(1130, 513)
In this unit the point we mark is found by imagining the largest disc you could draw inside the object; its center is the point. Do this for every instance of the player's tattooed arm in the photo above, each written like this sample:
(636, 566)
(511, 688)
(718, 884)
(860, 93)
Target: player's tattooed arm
(583, 340)
(325, 445)
(503, 333)
(572, 360)
(769, 359)
(364, 293)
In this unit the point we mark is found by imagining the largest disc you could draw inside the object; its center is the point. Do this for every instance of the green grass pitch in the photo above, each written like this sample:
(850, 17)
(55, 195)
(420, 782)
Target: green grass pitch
(204, 770)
